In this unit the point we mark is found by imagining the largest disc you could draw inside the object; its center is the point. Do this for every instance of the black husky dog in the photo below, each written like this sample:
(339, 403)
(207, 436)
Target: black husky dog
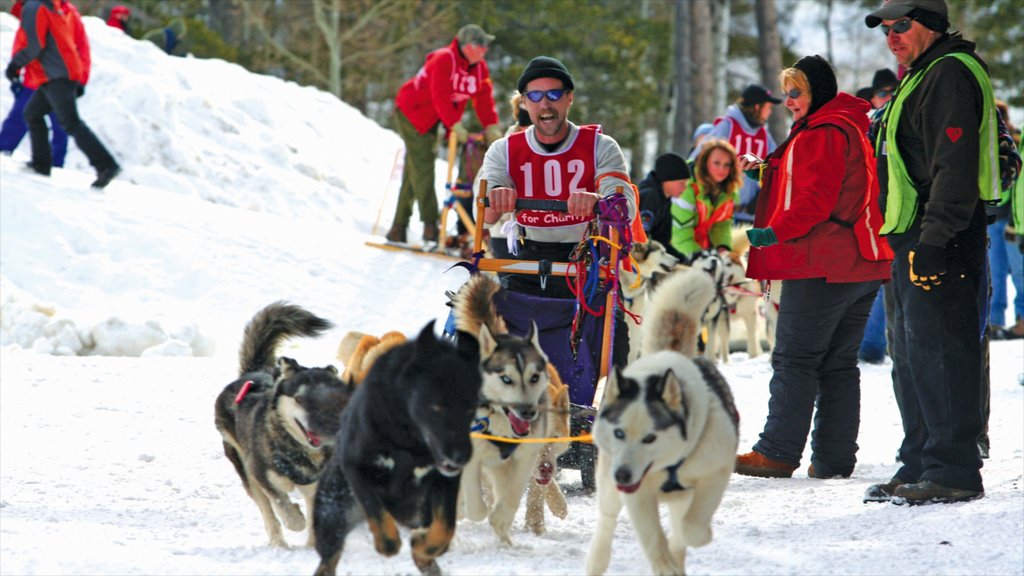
(279, 419)
(403, 442)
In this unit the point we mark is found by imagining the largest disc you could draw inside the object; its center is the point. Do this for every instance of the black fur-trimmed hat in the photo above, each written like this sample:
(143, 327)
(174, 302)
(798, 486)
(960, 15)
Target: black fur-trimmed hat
(544, 67)
(822, 79)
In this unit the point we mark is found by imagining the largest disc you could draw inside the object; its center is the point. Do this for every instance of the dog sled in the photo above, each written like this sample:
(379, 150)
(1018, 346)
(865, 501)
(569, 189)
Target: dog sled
(579, 335)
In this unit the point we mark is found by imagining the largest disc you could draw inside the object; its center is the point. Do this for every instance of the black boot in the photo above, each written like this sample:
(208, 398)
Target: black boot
(882, 492)
(928, 492)
(104, 176)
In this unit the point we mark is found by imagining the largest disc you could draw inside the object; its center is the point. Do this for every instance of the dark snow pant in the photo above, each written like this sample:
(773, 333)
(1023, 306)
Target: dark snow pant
(58, 96)
(938, 360)
(818, 336)
(417, 173)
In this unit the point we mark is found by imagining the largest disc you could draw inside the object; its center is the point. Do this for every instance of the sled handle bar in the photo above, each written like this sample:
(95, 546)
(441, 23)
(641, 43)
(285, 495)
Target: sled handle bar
(528, 204)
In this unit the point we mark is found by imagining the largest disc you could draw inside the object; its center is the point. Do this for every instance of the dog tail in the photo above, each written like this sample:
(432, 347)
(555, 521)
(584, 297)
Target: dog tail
(673, 317)
(269, 327)
(473, 305)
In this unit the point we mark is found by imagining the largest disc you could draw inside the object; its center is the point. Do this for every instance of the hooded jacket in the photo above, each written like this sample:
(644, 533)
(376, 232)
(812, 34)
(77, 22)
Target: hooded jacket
(440, 89)
(46, 45)
(815, 202)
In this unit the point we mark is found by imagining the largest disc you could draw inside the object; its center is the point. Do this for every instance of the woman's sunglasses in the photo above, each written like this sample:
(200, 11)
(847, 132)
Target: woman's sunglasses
(538, 95)
(794, 93)
(898, 27)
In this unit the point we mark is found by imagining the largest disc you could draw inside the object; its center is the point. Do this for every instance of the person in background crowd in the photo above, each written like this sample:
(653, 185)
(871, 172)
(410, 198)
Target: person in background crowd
(51, 61)
(883, 84)
(437, 95)
(1005, 260)
(702, 216)
(816, 228)
(170, 38)
(935, 221)
(699, 134)
(120, 18)
(14, 128)
(744, 127)
(663, 184)
(865, 94)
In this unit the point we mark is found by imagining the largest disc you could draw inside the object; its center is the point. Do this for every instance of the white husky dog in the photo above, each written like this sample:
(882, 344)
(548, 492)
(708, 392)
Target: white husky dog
(667, 432)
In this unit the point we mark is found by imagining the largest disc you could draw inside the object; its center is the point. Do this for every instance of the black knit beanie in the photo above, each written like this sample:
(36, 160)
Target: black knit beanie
(545, 67)
(671, 166)
(821, 78)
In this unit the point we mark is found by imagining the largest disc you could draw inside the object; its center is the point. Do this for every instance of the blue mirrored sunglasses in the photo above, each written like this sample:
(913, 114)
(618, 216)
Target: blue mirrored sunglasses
(794, 93)
(898, 27)
(538, 95)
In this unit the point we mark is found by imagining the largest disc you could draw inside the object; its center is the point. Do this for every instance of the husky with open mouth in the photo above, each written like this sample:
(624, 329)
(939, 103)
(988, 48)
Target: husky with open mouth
(279, 420)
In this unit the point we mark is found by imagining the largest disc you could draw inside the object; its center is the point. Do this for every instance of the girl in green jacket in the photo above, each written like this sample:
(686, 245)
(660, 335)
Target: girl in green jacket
(702, 215)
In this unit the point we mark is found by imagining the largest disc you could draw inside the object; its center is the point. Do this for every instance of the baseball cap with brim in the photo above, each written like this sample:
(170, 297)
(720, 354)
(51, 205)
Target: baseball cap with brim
(893, 9)
(473, 34)
(756, 94)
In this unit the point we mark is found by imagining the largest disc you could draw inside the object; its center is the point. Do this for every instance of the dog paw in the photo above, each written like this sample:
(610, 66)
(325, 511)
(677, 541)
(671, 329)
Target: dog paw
(277, 541)
(293, 518)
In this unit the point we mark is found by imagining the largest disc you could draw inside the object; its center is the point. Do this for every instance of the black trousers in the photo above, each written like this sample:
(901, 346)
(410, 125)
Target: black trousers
(59, 97)
(937, 353)
(819, 331)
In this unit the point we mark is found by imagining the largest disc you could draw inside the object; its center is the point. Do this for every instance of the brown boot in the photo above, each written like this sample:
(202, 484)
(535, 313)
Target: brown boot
(396, 234)
(757, 464)
(429, 233)
(882, 492)
(928, 492)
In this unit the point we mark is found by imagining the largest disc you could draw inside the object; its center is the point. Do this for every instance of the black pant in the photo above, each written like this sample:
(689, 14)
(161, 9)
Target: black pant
(58, 96)
(938, 360)
(818, 336)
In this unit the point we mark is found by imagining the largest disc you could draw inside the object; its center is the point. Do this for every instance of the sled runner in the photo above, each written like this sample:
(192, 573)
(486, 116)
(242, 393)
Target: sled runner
(578, 334)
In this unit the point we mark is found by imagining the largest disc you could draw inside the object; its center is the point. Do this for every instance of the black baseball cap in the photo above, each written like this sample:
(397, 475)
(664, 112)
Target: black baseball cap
(892, 9)
(757, 94)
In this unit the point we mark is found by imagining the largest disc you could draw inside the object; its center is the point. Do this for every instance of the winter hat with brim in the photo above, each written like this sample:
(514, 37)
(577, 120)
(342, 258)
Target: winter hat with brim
(893, 9)
(544, 67)
(822, 79)
(473, 34)
(884, 78)
(671, 166)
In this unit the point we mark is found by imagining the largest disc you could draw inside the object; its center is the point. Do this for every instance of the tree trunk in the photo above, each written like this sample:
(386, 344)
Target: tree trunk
(720, 57)
(682, 123)
(770, 60)
(701, 46)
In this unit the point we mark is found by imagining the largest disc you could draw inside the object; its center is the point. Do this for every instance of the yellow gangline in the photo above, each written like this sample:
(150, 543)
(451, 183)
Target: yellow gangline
(582, 438)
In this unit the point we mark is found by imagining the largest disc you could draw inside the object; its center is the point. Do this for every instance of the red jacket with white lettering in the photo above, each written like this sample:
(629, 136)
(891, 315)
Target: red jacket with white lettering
(819, 194)
(51, 43)
(440, 89)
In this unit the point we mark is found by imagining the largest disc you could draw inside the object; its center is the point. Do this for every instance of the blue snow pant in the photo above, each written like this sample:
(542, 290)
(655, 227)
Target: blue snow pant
(818, 335)
(1004, 258)
(938, 363)
(14, 128)
(873, 345)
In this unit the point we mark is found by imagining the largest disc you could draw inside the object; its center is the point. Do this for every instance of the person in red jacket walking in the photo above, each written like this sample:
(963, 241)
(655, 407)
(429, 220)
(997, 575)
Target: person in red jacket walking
(816, 227)
(120, 18)
(51, 60)
(437, 95)
(14, 127)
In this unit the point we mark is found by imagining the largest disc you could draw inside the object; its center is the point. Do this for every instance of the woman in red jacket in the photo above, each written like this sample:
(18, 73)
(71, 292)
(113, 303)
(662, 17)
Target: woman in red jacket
(816, 227)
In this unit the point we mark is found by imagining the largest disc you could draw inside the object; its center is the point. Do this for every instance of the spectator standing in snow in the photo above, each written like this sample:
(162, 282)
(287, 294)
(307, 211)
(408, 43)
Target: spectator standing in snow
(666, 182)
(14, 128)
(744, 127)
(120, 18)
(1005, 259)
(438, 95)
(170, 37)
(816, 228)
(936, 151)
(51, 61)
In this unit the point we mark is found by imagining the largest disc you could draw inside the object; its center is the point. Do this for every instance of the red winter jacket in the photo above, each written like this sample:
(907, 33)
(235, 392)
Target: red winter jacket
(51, 43)
(820, 196)
(440, 89)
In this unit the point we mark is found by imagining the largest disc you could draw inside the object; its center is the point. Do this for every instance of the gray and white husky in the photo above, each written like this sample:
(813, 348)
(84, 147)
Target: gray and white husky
(667, 433)
(514, 404)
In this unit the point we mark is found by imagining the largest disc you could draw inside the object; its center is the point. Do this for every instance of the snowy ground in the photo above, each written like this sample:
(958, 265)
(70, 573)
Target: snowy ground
(122, 311)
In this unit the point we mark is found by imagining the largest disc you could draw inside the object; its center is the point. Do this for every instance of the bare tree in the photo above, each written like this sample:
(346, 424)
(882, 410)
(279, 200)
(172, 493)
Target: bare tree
(721, 13)
(682, 123)
(703, 79)
(770, 60)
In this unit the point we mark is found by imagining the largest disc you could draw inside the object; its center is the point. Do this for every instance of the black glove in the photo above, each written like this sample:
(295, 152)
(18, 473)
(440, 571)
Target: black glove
(80, 91)
(12, 72)
(927, 265)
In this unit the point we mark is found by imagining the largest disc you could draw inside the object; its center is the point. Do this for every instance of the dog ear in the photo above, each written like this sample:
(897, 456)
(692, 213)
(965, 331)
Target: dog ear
(672, 390)
(486, 341)
(611, 386)
(425, 340)
(288, 368)
(467, 346)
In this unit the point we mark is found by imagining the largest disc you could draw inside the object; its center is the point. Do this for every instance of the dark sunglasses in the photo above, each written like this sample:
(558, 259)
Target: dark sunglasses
(794, 93)
(882, 93)
(898, 27)
(538, 95)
